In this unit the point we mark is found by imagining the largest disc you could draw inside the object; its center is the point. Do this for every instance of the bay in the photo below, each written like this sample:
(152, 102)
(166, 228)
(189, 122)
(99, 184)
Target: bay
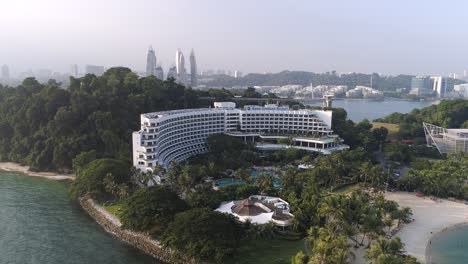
(450, 247)
(40, 224)
(359, 110)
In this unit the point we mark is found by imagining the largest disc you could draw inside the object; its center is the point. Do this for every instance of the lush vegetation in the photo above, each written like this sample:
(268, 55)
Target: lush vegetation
(267, 250)
(46, 127)
(449, 114)
(203, 234)
(443, 178)
(360, 134)
(102, 178)
(151, 209)
(87, 127)
(347, 221)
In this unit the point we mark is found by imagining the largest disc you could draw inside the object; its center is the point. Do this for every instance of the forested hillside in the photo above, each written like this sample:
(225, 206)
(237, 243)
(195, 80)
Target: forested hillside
(449, 114)
(45, 126)
(380, 82)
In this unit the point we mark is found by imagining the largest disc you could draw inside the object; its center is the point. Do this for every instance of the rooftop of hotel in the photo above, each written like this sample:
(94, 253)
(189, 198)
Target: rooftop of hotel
(223, 106)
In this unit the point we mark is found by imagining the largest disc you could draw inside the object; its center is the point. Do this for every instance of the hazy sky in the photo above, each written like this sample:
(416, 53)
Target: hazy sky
(398, 36)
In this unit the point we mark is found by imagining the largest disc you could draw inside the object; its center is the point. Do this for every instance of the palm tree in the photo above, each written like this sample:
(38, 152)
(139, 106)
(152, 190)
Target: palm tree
(265, 182)
(364, 171)
(332, 207)
(382, 249)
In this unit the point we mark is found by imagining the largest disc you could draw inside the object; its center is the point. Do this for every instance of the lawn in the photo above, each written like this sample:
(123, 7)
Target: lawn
(392, 128)
(115, 209)
(271, 251)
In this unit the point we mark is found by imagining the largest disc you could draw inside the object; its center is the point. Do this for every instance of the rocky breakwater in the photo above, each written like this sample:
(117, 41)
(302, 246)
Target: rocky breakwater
(139, 240)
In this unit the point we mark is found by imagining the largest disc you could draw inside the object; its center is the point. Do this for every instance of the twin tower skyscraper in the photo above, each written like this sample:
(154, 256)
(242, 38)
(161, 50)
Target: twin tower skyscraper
(178, 72)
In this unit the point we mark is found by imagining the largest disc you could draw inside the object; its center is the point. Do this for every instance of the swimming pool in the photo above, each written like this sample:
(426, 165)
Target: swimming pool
(227, 182)
(254, 174)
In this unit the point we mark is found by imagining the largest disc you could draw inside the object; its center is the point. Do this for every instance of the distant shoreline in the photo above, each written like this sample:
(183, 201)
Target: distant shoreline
(18, 168)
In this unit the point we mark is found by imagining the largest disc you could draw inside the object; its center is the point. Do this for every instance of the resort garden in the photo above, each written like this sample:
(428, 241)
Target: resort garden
(336, 201)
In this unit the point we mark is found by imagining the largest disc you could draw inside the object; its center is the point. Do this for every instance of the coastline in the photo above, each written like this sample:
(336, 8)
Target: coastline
(141, 241)
(15, 167)
(431, 219)
(437, 235)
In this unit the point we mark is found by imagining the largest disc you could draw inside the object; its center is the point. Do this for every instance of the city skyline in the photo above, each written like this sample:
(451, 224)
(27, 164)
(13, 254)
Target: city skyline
(262, 36)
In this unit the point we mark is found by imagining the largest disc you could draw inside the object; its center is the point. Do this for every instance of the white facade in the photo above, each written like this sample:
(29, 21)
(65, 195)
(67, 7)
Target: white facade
(275, 210)
(446, 140)
(439, 85)
(179, 134)
(462, 89)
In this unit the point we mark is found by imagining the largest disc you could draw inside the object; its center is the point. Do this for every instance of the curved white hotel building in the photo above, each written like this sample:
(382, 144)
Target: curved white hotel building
(179, 134)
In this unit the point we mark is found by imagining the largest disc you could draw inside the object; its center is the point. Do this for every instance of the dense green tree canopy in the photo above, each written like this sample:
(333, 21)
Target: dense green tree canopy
(46, 127)
(442, 178)
(91, 178)
(151, 209)
(203, 234)
(449, 114)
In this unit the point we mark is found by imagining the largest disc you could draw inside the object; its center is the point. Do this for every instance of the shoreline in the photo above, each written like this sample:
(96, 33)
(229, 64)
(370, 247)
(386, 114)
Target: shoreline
(437, 235)
(431, 219)
(112, 225)
(18, 168)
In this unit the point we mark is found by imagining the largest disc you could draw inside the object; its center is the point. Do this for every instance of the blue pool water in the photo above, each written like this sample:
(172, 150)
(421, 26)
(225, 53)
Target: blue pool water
(254, 174)
(227, 182)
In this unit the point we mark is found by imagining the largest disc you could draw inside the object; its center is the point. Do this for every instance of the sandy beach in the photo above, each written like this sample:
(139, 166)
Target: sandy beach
(15, 167)
(430, 218)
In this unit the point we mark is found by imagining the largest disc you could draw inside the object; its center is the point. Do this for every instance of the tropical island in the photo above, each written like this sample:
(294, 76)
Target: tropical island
(339, 203)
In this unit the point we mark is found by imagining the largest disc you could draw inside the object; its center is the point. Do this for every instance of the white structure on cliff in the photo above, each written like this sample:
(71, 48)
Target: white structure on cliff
(179, 134)
(446, 140)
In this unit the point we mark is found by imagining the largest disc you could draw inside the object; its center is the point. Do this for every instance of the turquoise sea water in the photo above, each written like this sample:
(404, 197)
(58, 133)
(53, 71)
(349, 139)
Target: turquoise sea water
(39, 224)
(450, 247)
(362, 109)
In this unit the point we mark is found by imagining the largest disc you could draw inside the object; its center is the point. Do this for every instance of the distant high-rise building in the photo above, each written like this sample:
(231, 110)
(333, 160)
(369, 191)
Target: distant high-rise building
(94, 69)
(237, 74)
(5, 73)
(421, 85)
(439, 85)
(159, 73)
(180, 68)
(74, 70)
(44, 74)
(172, 73)
(193, 69)
(151, 62)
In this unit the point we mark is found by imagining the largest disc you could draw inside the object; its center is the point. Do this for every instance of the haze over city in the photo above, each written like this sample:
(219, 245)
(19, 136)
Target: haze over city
(413, 37)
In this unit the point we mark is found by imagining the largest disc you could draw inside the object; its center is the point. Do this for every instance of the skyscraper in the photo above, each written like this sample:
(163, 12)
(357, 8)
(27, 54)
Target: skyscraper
(237, 74)
(74, 70)
(439, 85)
(5, 73)
(193, 69)
(172, 73)
(150, 62)
(180, 68)
(95, 69)
(159, 73)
